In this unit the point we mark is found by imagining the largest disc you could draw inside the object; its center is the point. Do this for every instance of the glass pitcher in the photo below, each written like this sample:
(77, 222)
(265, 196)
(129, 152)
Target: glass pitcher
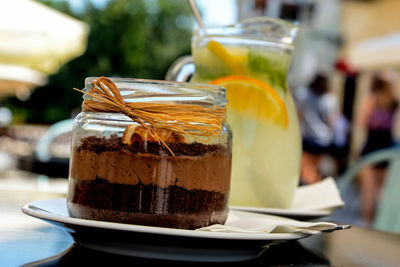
(251, 59)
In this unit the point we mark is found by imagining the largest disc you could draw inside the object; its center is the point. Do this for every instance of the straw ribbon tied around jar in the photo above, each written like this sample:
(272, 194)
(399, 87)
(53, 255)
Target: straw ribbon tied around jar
(188, 120)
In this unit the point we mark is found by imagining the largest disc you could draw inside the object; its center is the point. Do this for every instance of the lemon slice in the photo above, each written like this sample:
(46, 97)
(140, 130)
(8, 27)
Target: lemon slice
(254, 98)
(231, 60)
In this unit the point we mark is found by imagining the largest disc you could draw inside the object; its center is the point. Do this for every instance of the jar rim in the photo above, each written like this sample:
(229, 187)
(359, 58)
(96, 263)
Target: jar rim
(135, 90)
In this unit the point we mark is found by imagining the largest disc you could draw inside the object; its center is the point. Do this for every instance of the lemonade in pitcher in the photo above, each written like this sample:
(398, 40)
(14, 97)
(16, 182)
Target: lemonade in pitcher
(251, 60)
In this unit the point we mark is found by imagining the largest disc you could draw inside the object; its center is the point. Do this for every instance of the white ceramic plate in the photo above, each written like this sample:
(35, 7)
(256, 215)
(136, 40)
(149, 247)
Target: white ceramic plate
(155, 242)
(289, 213)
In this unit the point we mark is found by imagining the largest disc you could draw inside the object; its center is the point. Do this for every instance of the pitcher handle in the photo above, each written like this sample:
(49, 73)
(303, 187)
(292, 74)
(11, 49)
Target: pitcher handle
(181, 70)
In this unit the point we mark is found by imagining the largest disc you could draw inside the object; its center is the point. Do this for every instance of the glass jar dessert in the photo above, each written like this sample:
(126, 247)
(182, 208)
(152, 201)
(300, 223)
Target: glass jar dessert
(163, 160)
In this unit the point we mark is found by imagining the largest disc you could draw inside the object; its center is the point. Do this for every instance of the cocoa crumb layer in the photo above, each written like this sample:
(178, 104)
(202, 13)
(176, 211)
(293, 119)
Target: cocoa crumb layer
(114, 143)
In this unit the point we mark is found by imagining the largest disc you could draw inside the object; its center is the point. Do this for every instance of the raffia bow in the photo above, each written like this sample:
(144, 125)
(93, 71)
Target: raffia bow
(192, 120)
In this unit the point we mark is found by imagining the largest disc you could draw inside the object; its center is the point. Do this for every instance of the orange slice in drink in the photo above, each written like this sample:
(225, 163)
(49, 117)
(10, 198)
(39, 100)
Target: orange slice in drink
(254, 98)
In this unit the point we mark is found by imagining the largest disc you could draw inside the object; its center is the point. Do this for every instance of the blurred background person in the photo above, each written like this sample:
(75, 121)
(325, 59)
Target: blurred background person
(318, 113)
(377, 119)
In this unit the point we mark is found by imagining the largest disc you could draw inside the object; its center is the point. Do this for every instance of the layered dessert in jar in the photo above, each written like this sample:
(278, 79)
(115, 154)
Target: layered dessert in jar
(126, 175)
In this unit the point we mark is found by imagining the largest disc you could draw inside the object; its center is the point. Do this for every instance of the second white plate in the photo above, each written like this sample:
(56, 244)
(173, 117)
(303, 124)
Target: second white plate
(288, 213)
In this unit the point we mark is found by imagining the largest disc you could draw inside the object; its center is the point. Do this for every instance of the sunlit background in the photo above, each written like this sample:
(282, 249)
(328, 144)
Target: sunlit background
(48, 47)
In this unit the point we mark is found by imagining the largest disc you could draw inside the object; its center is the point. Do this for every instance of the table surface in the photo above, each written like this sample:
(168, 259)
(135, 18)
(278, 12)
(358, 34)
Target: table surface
(28, 241)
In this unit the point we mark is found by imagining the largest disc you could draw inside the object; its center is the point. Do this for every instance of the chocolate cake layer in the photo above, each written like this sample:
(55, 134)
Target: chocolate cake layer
(152, 205)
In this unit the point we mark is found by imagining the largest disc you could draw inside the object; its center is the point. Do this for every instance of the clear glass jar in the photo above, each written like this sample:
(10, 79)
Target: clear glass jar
(143, 183)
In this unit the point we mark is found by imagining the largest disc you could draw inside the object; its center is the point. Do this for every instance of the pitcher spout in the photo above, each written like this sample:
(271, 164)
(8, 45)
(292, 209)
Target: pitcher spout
(265, 30)
(271, 29)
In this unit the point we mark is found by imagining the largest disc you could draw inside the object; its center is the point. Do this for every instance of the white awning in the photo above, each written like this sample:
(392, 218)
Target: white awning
(377, 52)
(36, 41)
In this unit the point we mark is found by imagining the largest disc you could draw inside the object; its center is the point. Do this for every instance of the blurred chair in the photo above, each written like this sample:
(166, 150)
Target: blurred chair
(42, 161)
(387, 215)
(42, 149)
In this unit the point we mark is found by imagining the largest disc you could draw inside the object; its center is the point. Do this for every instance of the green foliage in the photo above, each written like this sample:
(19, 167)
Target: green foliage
(129, 38)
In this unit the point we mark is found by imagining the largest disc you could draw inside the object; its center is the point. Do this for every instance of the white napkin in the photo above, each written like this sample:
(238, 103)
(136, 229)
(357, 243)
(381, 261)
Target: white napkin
(323, 195)
(249, 222)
